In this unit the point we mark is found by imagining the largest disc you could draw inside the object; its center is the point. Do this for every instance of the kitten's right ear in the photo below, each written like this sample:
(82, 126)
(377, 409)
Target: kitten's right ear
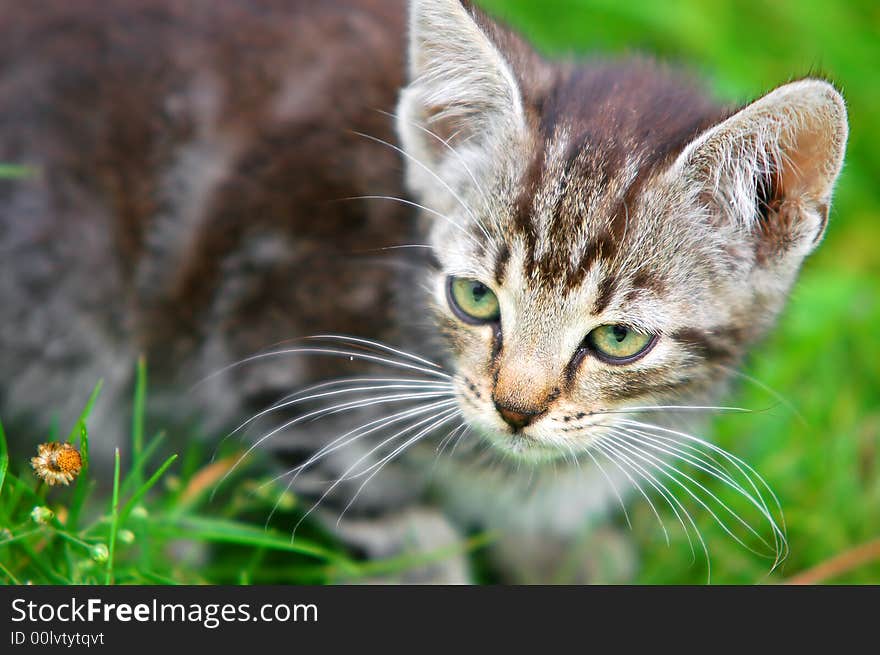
(771, 167)
(462, 93)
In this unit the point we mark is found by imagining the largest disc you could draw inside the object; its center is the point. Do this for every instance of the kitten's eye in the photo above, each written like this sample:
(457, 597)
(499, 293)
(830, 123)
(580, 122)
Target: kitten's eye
(472, 301)
(618, 344)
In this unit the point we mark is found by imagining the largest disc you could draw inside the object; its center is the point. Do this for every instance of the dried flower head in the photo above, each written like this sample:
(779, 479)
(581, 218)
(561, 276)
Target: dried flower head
(57, 463)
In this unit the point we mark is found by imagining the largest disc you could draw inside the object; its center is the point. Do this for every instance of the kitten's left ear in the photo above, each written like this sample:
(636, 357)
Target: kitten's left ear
(772, 166)
(462, 92)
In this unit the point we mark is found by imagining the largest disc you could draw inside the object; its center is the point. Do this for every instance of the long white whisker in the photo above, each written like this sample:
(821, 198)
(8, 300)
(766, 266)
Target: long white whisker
(713, 469)
(446, 144)
(404, 201)
(297, 396)
(601, 443)
(669, 408)
(438, 386)
(352, 355)
(350, 437)
(381, 464)
(612, 485)
(668, 496)
(375, 344)
(459, 439)
(354, 466)
(775, 394)
(420, 164)
(448, 438)
(357, 404)
(669, 471)
(382, 423)
(744, 469)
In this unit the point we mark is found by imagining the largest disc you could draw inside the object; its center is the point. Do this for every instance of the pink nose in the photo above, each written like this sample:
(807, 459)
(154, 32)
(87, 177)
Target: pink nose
(516, 418)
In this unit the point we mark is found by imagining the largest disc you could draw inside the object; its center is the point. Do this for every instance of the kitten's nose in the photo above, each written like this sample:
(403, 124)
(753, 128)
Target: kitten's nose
(516, 418)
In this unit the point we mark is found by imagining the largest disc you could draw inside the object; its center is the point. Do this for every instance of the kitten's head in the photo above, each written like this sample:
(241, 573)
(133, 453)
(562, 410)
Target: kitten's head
(606, 237)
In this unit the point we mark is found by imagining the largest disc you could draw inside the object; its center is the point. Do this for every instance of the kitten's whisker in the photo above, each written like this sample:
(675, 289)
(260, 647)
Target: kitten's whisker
(296, 397)
(293, 401)
(404, 247)
(612, 485)
(764, 387)
(445, 144)
(441, 447)
(602, 445)
(669, 408)
(357, 404)
(674, 503)
(404, 201)
(698, 462)
(448, 414)
(383, 462)
(779, 543)
(382, 423)
(448, 439)
(670, 471)
(745, 470)
(359, 380)
(430, 172)
(375, 344)
(344, 407)
(352, 355)
(355, 465)
(348, 438)
(459, 439)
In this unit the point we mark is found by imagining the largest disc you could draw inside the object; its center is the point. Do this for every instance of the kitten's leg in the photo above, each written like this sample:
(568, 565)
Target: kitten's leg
(382, 517)
(418, 532)
(604, 555)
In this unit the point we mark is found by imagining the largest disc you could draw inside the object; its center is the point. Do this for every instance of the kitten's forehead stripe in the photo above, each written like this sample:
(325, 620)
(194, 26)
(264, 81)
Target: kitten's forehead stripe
(623, 123)
(607, 288)
(650, 281)
(501, 263)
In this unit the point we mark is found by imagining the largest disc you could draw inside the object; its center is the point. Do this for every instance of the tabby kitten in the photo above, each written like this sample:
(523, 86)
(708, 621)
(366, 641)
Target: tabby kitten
(586, 252)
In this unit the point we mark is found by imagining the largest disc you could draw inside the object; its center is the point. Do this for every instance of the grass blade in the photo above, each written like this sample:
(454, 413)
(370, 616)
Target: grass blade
(83, 483)
(140, 493)
(4, 457)
(137, 417)
(114, 520)
(141, 462)
(16, 171)
(76, 431)
(232, 532)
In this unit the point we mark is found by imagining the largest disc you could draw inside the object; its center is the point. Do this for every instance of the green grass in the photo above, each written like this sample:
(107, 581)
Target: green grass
(169, 528)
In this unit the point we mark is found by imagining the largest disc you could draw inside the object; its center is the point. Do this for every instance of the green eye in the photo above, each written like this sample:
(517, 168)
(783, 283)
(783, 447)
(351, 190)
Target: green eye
(472, 301)
(619, 344)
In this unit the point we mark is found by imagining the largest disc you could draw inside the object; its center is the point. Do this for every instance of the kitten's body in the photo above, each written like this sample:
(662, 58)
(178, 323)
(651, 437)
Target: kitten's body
(192, 166)
(193, 202)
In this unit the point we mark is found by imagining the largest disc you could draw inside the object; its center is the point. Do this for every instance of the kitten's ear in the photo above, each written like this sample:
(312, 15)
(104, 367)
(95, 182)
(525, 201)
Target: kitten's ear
(462, 92)
(772, 165)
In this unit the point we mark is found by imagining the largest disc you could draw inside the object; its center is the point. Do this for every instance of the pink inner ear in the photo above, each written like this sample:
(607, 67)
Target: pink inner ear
(805, 163)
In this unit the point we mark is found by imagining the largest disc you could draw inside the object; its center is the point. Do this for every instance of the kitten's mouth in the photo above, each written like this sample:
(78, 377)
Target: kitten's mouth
(520, 445)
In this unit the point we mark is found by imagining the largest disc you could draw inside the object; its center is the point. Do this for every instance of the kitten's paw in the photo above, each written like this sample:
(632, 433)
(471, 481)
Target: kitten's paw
(422, 534)
(601, 556)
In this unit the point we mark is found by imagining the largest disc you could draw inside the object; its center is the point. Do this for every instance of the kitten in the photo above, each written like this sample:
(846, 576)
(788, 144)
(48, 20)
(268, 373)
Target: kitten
(586, 249)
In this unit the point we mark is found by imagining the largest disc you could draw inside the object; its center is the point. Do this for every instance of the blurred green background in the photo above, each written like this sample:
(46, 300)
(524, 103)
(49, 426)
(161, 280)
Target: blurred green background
(824, 359)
